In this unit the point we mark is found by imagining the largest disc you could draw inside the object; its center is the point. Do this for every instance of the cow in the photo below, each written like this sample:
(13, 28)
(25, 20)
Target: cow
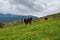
(46, 18)
(28, 21)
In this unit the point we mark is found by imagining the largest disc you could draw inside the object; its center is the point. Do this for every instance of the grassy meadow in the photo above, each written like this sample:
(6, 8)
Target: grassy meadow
(40, 29)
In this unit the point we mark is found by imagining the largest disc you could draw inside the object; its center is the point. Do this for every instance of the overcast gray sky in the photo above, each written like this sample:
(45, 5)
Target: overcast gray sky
(30, 7)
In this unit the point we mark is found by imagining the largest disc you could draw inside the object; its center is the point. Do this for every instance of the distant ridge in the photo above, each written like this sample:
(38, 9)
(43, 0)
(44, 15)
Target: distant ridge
(10, 18)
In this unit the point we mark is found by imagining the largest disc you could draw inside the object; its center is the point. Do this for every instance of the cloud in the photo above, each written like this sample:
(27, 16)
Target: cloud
(4, 6)
(28, 4)
(52, 6)
(30, 7)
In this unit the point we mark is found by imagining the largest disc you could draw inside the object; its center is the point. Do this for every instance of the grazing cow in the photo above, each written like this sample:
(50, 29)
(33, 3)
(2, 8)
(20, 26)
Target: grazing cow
(46, 18)
(29, 20)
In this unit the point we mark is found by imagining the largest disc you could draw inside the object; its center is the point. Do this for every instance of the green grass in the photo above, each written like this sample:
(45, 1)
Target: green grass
(45, 30)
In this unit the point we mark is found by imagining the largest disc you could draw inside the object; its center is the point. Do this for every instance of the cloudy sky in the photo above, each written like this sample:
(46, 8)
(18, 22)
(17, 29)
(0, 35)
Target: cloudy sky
(30, 7)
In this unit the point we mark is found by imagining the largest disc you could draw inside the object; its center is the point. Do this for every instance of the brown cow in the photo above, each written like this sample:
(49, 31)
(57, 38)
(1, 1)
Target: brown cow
(28, 21)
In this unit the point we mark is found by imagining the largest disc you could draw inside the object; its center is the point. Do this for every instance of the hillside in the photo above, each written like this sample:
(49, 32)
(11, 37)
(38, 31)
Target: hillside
(50, 17)
(40, 29)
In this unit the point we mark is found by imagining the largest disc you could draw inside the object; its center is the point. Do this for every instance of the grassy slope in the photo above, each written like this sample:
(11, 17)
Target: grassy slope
(41, 30)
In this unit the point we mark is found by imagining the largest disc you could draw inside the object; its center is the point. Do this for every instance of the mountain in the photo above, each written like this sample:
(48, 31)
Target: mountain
(11, 18)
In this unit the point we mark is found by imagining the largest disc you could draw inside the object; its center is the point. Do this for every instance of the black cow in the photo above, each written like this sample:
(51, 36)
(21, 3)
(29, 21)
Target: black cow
(46, 18)
(28, 21)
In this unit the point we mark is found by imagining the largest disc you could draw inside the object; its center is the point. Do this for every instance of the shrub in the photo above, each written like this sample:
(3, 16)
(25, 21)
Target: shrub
(1, 25)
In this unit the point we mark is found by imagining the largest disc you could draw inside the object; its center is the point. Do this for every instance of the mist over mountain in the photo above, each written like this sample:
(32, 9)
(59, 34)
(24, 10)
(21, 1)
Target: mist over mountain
(10, 17)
